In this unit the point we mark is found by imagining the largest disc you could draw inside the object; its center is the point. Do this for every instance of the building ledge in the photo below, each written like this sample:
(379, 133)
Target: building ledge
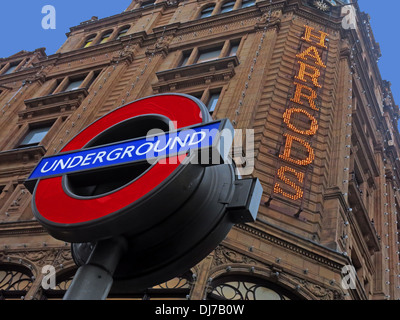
(21, 227)
(56, 103)
(205, 73)
(24, 155)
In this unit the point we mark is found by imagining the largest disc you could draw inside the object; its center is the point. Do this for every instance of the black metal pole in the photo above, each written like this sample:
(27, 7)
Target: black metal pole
(93, 280)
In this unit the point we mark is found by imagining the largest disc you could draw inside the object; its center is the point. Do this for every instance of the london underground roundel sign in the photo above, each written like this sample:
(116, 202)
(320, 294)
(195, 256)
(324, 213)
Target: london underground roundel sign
(146, 171)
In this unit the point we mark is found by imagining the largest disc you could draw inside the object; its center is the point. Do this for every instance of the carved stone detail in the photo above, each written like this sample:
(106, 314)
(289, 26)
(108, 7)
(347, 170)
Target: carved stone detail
(223, 255)
(127, 55)
(160, 47)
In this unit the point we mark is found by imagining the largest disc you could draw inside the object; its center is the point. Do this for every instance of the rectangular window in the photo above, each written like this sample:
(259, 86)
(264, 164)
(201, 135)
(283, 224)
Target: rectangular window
(185, 59)
(197, 95)
(213, 100)
(208, 55)
(209, 98)
(74, 85)
(34, 136)
(233, 49)
(11, 69)
(198, 55)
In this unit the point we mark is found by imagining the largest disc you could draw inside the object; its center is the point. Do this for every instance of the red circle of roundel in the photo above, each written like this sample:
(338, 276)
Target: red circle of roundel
(56, 206)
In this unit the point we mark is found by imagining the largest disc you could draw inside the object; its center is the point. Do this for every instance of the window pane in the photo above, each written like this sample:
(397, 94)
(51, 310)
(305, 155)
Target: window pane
(212, 103)
(74, 85)
(184, 60)
(105, 38)
(208, 55)
(207, 12)
(248, 3)
(197, 95)
(148, 3)
(35, 136)
(228, 6)
(88, 43)
(122, 33)
(233, 50)
(11, 69)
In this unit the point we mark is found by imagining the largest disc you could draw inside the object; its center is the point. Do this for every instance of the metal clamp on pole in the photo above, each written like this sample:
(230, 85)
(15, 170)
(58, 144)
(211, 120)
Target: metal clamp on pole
(93, 281)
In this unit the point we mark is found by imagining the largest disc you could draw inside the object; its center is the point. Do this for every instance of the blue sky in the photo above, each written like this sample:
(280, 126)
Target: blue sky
(22, 29)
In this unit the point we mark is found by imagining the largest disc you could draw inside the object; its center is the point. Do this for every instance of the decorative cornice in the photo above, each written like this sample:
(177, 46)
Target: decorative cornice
(23, 154)
(292, 247)
(20, 228)
(206, 72)
(62, 102)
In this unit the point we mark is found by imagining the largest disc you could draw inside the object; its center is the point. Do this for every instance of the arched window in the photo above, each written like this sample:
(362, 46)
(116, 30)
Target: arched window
(239, 287)
(149, 3)
(227, 6)
(206, 12)
(15, 281)
(248, 3)
(106, 37)
(123, 32)
(89, 41)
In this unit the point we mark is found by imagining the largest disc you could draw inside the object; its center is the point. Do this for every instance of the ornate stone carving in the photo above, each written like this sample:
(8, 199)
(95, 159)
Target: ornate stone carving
(160, 47)
(316, 290)
(269, 20)
(40, 76)
(223, 255)
(127, 55)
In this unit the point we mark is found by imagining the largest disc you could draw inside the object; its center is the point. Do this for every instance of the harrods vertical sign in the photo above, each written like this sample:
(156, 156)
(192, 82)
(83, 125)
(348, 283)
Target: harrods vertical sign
(301, 116)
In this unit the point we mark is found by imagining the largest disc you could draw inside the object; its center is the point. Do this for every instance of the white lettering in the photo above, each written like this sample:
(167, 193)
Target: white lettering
(148, 144)
(99, 157)
(156, 149)
(61, 164)
(165, 310)
(72, 164)
(49, 280)
(194, 136)
(181, 143)
(44, 170)
(128, 151)
(117, 154)
(49, 20)
(87, 158)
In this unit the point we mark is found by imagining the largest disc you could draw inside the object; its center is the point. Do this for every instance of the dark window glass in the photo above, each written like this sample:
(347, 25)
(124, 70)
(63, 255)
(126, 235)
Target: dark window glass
(248, 3)
(227, 6)
(206, 12)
